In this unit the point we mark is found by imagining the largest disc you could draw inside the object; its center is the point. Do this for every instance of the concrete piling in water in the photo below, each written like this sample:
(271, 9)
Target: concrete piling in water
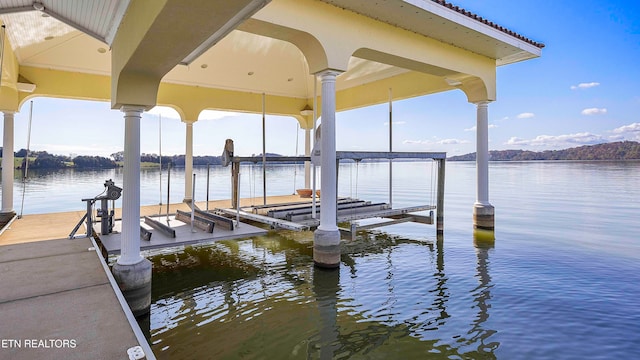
(483, 217)
(326, 248)
(135, 283)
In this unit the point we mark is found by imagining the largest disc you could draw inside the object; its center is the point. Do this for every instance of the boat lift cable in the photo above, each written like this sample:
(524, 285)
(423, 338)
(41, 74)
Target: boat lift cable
(264, 151)
(168, 189)
(357, 161)
(160, 151)
(3, 29)
(390, 147)
(26, 162)
(315, 139)
(351, 182)
(295, 165)
(208, 177)
(254, 174)
(357, 176)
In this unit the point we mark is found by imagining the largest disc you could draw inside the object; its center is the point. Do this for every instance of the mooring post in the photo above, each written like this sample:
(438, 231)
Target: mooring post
(208, 170)
(440, 198)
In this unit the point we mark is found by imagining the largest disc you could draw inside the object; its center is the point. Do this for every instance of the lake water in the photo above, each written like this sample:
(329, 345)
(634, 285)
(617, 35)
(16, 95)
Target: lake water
(561, 280)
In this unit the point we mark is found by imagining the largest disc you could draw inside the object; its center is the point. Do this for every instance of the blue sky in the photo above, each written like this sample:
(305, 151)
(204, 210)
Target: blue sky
(582, 91)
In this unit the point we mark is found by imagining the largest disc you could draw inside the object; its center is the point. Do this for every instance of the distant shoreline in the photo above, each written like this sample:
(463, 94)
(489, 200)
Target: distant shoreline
(622, 150)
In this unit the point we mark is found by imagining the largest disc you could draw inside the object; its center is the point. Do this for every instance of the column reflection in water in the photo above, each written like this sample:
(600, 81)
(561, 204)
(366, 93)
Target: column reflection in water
(326, 286)
(441, 292)
(482, 299)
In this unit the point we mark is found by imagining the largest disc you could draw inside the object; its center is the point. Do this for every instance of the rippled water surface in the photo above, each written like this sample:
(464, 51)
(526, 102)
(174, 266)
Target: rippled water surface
(560, 281)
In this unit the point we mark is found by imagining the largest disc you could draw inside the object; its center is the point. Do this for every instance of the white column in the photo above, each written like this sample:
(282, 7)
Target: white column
(326, 238)
(482, 153)
(307, 164)
(130, 239)
(328, 195)
(483, 211)
(7, 163)
(188, 163)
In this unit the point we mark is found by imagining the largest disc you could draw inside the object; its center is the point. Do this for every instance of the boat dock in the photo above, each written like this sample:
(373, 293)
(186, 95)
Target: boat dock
(62, 300)
(59, 298)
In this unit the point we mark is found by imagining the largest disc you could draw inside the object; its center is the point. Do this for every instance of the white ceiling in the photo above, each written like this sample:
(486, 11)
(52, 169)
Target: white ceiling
(74, 35)
(99, 19)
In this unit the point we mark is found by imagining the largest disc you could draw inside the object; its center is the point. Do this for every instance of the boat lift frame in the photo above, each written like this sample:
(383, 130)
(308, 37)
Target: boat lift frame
(394, 215)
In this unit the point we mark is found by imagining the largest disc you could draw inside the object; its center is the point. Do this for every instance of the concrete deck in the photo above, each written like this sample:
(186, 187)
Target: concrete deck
(57, 302)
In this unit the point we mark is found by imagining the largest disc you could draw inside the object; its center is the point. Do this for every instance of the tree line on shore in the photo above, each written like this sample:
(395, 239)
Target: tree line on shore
(44, 160)
(622, 150)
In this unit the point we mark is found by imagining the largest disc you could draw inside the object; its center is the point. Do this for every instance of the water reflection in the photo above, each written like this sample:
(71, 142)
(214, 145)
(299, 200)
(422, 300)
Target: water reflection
(326, 286)
(482, 299)
(441, 295)
(263, 298)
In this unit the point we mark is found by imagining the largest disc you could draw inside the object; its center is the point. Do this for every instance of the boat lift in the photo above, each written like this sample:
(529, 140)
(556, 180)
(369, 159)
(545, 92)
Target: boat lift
(111, 192)
(302, 216)
(309, 219)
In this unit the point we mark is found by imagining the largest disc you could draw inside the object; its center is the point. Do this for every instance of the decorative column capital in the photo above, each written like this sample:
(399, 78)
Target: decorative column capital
(132, 109)
(482, 104)
(328, 74)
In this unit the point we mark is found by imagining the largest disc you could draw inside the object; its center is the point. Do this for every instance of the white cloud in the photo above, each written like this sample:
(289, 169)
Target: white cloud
(452, 142)
(594, 111)
(436, 142)
(584, 85)
(417, 142)
(627, 132)
(526, 115)
(474, 128)
(516, 141)
(631, 128)
(559, 141)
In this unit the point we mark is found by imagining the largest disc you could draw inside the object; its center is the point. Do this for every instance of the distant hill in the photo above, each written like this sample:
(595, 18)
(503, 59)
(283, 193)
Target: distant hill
(622, 150)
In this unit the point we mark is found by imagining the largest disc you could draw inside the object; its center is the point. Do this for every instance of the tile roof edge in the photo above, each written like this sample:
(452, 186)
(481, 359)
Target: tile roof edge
(487, 22)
